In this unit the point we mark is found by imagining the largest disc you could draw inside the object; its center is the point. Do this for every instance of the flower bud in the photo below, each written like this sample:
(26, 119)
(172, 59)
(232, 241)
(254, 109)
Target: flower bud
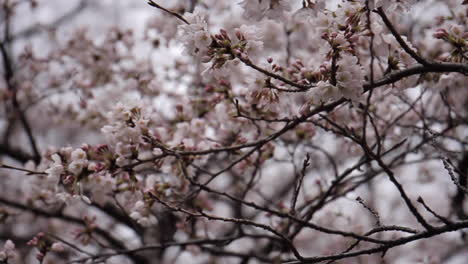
(441, 34)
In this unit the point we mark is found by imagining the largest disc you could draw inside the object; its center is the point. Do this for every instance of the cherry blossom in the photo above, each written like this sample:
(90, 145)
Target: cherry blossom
(253, 131)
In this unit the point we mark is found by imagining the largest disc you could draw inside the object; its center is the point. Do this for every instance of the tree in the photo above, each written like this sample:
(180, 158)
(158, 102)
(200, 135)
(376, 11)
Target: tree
(259, 131)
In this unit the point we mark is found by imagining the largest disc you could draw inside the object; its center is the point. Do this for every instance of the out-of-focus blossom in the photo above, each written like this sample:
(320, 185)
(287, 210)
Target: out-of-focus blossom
(7, 252)
(195, 35)
(258, 9)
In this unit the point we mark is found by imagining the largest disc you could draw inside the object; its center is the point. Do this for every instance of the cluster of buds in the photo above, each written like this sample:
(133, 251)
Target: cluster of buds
(457, 38)
(45, 245)
(340, 41)
(128, 130)
(265, 96)
(220, 50)
(223, 48)
(276, 68)
(86, 234)
(306, 75)
(70, 166)
(69, 171)
(441, 34)
(352, 14)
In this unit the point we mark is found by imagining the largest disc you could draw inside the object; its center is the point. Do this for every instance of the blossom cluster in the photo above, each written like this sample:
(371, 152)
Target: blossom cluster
(8, 252)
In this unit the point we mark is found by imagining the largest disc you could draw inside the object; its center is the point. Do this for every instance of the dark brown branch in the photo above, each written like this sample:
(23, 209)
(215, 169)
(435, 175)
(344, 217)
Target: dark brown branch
(8, 75)
(438, 67)
(300, 179)
(72, 220)
(300, 221)
(153, 4)
(241, 221)
(441, 218)
(371, 155)
(434, 232)
(197, 242)
(459, 198)
(400, 40)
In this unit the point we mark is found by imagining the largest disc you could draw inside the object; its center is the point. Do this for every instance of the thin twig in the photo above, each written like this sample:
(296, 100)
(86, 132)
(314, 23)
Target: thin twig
(153, 4)
(400, 40)
(29, 172)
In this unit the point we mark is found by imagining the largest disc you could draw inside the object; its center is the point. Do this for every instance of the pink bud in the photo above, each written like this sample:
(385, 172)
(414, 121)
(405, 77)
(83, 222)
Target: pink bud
(224, 33)
(324, 35)
(299, 62)
(440, 33)
(223, 82)
(297, 66)
(68, 179)
(209, 88)
(239, 35)
(102, 148)
(85, 147)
